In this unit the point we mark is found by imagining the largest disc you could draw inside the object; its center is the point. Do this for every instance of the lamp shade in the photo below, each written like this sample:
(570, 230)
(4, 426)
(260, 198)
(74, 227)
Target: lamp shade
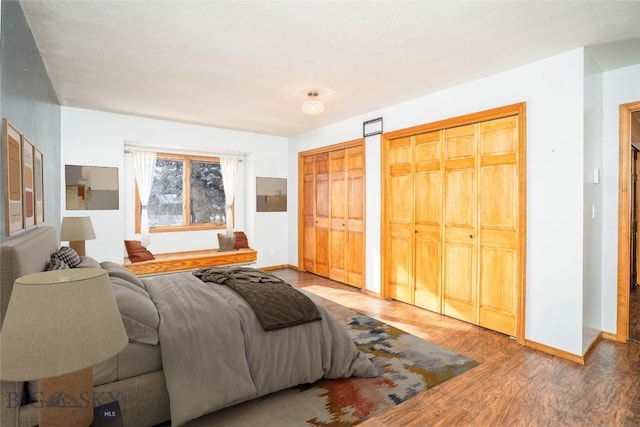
(76, 228)
(58, 322)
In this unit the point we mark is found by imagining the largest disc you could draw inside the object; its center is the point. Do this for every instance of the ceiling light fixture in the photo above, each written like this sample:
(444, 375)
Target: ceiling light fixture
(312, 106)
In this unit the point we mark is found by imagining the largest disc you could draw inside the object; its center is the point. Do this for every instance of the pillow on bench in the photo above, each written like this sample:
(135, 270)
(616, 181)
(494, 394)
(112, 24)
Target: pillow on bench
(226, 243)
(241, 240)
(137, 252)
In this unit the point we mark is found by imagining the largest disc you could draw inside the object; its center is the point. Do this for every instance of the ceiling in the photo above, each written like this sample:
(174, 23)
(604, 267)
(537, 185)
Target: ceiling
(247, 65)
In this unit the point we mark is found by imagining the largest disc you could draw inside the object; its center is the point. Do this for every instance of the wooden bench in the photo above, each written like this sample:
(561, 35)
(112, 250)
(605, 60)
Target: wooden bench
(190, 260)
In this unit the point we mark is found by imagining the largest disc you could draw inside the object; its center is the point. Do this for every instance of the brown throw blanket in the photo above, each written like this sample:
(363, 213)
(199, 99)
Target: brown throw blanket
(276, 303)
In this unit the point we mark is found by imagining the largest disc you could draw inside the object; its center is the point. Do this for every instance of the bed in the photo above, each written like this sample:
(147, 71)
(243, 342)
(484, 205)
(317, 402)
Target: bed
(177, 365)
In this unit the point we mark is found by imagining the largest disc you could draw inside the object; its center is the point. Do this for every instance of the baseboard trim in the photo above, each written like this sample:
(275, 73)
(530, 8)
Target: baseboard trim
(565, 354)
(275, 267)
(610, 336)
(554, 351)
(592, 347)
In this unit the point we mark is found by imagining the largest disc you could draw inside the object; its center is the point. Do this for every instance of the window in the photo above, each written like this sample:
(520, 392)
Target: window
(187, 194)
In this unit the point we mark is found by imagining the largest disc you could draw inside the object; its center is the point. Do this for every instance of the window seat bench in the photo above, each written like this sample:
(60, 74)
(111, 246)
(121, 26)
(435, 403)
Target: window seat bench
(190, 260)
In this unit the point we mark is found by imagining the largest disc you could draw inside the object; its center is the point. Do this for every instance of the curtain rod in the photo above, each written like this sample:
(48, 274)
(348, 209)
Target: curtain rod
(129, 148)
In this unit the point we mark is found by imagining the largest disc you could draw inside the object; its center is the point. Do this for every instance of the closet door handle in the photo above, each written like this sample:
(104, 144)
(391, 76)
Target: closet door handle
(471, 236)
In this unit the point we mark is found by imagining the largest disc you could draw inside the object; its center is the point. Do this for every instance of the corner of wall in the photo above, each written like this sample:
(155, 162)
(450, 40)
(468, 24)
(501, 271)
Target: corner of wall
(592, 198)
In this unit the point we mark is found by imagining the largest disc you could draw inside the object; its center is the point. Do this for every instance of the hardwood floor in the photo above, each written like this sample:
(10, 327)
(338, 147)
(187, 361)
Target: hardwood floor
(513, 386)
(634, 314)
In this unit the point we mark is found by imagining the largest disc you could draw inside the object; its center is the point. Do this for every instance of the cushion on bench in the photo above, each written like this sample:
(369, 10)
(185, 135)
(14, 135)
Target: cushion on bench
(137, 252)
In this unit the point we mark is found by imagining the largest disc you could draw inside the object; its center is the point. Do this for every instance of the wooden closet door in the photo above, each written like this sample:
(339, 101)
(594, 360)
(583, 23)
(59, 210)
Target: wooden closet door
(355, 216)
(338, 221)
(322, 211)
(331, 212)
(498, 224)
(428, 221)
(399, 207)
(460, 223)
(308, 213)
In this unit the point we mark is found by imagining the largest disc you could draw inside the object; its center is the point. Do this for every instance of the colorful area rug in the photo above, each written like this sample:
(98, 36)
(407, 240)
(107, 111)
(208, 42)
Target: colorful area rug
(408, 365)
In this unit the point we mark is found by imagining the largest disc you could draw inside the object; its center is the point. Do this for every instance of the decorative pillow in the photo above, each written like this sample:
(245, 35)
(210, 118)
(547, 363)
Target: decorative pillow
(137, 252)
(225, 243)
(241, 240)
(56, 264)
(117, 270)
(68, 256)
(88, 262)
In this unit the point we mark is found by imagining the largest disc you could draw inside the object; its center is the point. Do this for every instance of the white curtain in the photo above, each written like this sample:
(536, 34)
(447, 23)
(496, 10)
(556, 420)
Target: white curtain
(145, 163)
(229, 167)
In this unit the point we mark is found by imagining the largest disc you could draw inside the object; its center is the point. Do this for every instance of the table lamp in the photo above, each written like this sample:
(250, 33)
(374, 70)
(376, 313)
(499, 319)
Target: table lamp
(75, 230)
(59, 324)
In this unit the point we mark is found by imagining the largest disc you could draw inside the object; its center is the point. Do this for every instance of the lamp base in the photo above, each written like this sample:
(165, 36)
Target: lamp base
(78, 246)
(66, 400)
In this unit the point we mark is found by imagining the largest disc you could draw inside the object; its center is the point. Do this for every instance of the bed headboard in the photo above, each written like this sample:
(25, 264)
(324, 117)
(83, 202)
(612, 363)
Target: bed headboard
(26, 254)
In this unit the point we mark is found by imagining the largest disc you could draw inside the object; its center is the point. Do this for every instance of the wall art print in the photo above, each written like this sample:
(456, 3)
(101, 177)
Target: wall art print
(23, 186)
(271, 194)
(28, 204)
(38, 184)
(12, 171)
(91, 187)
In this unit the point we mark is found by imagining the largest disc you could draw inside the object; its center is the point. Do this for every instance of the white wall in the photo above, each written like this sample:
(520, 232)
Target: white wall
(619, 87)
(97, 139)
(591, 264)
(553, 91)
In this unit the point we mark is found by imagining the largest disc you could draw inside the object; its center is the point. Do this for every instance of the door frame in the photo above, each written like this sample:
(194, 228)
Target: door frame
(624, 219)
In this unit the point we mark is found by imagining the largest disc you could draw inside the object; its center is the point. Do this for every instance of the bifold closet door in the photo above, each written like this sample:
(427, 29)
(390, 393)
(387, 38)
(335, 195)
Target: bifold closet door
(322, 212)
(308, 213)
(460, 223)
(480, 227)
(427, 181)
(498, 221)
(454, 217)
(399, 208)
(355, 251)
(332, 212)
(338, 221)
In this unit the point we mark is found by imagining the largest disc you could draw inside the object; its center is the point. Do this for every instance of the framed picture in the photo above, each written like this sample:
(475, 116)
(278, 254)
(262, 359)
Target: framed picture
(28, 203)
(271, 194)
(12, 171)
(38, 184)
(91, 187)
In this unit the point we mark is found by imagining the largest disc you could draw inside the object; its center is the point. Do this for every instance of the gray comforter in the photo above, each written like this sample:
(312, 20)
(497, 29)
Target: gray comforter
(215, 353)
